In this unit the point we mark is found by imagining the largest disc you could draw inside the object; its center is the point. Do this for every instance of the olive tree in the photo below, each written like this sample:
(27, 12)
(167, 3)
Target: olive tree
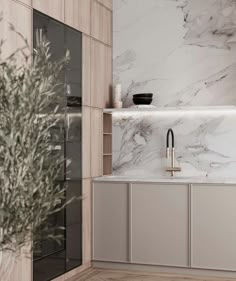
(29, 168)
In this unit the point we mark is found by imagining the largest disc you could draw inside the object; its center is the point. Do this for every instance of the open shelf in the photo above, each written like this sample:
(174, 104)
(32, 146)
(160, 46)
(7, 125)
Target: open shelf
(107, 123)
(107, 143)
(151, 108)
(107, 165)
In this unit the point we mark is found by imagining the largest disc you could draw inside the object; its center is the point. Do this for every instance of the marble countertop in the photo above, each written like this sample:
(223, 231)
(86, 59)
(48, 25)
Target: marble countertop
(199, 180)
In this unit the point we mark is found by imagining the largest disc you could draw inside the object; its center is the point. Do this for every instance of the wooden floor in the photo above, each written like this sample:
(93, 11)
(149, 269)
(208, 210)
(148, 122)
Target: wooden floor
(118, 275)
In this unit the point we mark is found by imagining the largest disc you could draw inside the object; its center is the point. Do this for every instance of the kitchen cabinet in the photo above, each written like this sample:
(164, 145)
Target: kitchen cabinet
(160, 224)
(110, 222)
(165, 224)
(214, 227)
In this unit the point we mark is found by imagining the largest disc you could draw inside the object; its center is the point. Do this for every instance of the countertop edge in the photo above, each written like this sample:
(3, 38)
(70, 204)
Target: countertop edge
(201, 181)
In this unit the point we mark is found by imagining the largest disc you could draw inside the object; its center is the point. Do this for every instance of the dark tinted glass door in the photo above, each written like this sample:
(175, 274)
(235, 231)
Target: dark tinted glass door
(50, 258)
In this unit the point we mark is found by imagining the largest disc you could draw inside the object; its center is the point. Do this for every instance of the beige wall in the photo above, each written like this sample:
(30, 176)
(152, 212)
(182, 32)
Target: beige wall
(94, 19)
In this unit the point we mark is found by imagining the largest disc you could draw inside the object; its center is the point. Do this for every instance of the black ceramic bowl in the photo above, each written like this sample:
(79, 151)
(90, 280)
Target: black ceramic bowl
(143, 95)
(142, 98)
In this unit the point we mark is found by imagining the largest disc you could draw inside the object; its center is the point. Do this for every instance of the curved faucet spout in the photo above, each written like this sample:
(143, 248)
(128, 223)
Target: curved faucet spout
(170, 131)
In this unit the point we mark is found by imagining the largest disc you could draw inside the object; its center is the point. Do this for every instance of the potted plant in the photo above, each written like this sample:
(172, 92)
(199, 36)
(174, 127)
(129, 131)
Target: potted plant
(29, 188)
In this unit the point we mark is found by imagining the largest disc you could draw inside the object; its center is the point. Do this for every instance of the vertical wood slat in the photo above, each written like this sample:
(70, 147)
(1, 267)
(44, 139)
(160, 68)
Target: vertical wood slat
(87, 222)
(107, 3)
(101, 77)
(26, 2)
(96, 142)
(86, 70)
(77, 14)
(86, 141)
(13, 12)
(101, 23)
(54, 8)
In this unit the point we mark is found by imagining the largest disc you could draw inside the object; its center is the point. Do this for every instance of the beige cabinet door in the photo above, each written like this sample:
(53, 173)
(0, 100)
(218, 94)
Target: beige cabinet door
(214, 227)
(110, 222)
(160, 224)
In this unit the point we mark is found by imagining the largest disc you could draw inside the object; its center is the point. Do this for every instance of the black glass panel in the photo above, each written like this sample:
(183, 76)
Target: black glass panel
(50, 266)
(73, 143)
(54, 32)
(73, 43)
(50, 258)
(74, 225)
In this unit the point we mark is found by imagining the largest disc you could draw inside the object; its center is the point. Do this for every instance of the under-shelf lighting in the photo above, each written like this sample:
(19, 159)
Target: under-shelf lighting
(214, 110)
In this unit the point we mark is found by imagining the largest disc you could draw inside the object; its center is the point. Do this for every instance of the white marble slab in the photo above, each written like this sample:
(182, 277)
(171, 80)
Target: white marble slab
(205, 143)
(182, 51)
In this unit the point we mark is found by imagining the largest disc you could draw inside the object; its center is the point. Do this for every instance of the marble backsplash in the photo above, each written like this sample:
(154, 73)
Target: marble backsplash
(205, 142)
(182, 51)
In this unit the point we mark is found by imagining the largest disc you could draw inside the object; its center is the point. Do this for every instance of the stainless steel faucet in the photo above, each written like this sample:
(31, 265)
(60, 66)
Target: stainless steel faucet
(171, 169)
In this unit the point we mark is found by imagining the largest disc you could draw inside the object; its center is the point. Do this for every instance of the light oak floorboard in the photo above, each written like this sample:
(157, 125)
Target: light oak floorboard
(115, 275)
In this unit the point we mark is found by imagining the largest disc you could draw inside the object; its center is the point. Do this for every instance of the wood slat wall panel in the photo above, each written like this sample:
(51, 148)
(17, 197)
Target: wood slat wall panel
(86, 69)
(13, 12)
(87, 222)
(101, 23)
(107, 3)
(86, 140)
(77, 14)
(52, 8)
(27, 2)
(96, 142)
(101, 80)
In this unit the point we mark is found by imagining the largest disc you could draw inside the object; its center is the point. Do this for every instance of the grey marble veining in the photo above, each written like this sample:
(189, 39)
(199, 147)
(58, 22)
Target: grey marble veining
(183, 51)
(204, 143)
